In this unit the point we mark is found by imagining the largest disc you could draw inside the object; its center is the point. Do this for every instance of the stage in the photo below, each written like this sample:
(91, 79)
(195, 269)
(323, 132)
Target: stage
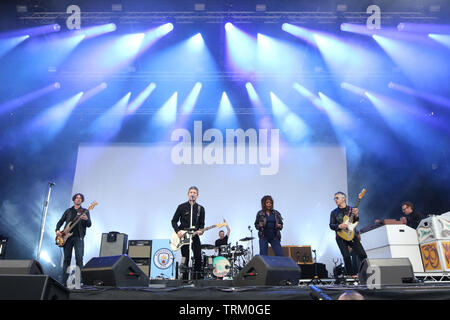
(204, 290)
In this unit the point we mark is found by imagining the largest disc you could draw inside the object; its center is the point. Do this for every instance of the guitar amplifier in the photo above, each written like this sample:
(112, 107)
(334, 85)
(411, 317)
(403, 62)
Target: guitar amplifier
(143, 264)
(300, 254)
(140, 249)
(113, 244)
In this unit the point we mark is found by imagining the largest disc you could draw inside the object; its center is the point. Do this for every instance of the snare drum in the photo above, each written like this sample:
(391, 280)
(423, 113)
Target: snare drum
(221, 266)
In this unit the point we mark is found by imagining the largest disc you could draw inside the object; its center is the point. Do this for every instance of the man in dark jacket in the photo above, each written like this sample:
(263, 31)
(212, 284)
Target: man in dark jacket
(336, 224)
(76, 241)
(183, 216)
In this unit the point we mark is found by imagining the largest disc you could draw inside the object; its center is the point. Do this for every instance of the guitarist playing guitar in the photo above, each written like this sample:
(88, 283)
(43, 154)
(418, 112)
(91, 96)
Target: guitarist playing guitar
(185, 218)
(343, 220)
(76, 240)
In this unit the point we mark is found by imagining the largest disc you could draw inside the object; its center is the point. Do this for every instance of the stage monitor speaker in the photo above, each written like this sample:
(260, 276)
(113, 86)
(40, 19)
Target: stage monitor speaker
(20, 267)
(268, 271)
(392, 271)
(113, 271)
(113, 244)
(31, 287)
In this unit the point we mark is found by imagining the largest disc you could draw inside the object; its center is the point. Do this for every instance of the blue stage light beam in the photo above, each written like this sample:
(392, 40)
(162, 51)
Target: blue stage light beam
(315, 100)
(18, 102)
(189, 103)
(190, 56)
(225, 117)
(341, 119)
(108, 125)
(141, 98)
(443, 101)
(423, 28)
(52, 121)
(276, 56)
(167, 114)
(91, 32)
(8, 44)
(32, 32)
(443, 39)
(241, 49)
(355, 89)
(433, 66)
(92, 92)
(300, 32)
(290, 124)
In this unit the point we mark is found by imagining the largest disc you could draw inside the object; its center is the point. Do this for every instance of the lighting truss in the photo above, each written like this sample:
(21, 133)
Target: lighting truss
(330, 17)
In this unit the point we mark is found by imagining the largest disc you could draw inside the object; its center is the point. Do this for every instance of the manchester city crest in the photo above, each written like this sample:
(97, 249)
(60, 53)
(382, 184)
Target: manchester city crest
(163, 258)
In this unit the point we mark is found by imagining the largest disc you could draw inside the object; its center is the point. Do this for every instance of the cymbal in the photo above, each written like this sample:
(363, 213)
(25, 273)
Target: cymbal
(207, 246)
(247, 239)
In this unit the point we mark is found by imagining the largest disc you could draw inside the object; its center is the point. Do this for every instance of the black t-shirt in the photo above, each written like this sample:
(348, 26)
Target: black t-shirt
(221, 242)
(413, 219)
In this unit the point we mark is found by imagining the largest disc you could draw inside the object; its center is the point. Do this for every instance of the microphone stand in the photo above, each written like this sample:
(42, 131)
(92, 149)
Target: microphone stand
(251, 236)
(45, 210)
(190, 242)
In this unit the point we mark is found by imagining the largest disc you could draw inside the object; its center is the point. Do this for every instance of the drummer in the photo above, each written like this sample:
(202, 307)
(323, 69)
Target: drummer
(223, 239)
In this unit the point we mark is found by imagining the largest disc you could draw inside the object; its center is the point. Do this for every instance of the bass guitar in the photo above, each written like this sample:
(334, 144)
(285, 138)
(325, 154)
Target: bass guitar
(176, 242)
(61, 239)
(349, 232)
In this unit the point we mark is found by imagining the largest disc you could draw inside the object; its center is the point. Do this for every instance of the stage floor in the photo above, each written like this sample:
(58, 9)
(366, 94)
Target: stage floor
(223, 290)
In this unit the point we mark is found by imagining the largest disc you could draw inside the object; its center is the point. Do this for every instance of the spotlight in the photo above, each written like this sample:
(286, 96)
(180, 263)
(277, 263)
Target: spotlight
(261, 7)
(341, 7)
(228, 26)
(435, 8)
(116, 7)
(21, 9)
(57, 85)
(199, 7)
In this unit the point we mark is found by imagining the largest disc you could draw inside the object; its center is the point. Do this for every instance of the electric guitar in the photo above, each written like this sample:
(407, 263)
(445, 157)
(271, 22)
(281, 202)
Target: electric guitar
(349, 232)
(60, 240)
(176, 242)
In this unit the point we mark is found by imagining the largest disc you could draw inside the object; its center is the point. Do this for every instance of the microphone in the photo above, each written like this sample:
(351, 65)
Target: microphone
(249, 228)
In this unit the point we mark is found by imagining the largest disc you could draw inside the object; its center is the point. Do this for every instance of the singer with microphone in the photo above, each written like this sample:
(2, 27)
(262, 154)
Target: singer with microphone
(269, 224)
(191, 217)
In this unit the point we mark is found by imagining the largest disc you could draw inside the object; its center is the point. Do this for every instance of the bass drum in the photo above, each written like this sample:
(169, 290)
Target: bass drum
(221, 266)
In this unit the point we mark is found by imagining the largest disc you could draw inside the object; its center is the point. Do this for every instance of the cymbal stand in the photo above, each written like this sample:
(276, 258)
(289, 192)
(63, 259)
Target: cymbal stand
(315, 279)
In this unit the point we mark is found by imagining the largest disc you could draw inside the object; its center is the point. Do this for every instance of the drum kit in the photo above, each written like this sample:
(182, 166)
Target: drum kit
(230, 260)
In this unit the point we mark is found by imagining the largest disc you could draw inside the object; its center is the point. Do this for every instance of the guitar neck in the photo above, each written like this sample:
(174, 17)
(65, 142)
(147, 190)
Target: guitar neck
(207, 228)
(357, 203)
(75, 222)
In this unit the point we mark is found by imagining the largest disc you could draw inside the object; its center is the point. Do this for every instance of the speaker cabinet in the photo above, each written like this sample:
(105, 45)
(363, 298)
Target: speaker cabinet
(20, 267)
(113, 243)
(113, 271)
(31, 287)
(391, 271)
(268, 271)
(309, 270)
